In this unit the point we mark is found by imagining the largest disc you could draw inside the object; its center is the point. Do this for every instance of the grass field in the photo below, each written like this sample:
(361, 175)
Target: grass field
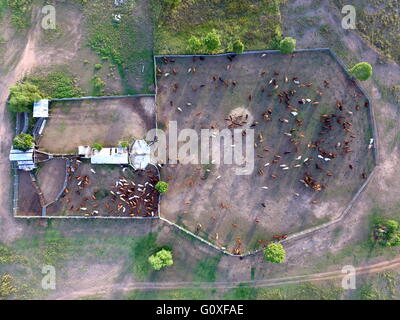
(254, 22)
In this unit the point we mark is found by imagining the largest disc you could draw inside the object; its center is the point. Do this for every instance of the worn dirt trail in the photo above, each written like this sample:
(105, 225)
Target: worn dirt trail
(104, 290)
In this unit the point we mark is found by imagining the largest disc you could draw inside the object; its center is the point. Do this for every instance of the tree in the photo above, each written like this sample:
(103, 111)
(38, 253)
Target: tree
(97, 146)
(194, 44)
(275, 253)
(386, 232)
(362, 70)
(124, 144)
(212, 41)
(22, 97)
(287, 45)
(23, 142)
(161, 186)
(161, 259)
(238, 46)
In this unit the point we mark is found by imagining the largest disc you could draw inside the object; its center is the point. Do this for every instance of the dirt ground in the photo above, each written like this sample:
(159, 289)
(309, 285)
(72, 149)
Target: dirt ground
(101, 194)
(303, 257)
(51, 178)
(28, 201)
(228, 206)
(106, 121)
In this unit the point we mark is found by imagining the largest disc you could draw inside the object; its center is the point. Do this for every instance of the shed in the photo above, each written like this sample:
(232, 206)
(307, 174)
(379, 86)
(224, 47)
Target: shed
(110, 156)
(24, 159)
(41, 109)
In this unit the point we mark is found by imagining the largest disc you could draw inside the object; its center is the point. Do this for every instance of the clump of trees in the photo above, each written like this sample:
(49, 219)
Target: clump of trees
(161, 259)
(22, 97)
(97, 146)
(275, 253)
(386, 232)
(362, 70)
(161, 186)
(287, 45)
(238, 46)
(23, 142)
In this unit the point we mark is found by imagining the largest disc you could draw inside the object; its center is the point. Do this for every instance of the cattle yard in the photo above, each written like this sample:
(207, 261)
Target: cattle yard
(104, 121)
(313, 147)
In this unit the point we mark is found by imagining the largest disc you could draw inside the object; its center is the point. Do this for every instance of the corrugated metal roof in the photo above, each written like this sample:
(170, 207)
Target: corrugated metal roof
(110, 156)
(41, 109)
(19, 155)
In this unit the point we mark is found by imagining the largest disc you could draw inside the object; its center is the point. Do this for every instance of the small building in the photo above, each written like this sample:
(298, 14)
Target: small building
(84, 151)
(140, 155)
(41, 109)
(110, 156)
(24, 159)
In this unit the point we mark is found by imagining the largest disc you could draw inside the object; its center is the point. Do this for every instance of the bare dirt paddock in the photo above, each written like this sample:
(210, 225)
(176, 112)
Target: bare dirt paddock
(323, 144)
(105, 121)
(108, 190)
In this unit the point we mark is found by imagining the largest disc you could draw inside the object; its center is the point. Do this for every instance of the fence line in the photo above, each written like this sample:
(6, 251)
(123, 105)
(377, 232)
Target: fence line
(221, 249)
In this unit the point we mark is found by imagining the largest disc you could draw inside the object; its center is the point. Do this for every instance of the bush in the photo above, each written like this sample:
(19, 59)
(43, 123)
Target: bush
(23, 141)
(386, 232)
(22, 97)
(275, 253)
(238, 46)
(212, 41)
(161, 259)
(161, 186)
(362, 70)
(124, 144)
(98, 85)
(97, 146)
(287, 45)
(7, 288)
(194, 45)
(98, 66)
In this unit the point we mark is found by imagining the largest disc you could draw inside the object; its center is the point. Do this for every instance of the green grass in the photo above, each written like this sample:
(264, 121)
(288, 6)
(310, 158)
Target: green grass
(206, 270)
(121, 43)
(141, 250)
(255, 23)
(20, 13)
(56, 84)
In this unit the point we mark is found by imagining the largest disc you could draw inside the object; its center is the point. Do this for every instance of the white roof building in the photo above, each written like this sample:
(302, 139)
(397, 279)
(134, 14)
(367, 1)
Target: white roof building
(85, 151)
(110, 156)
(140, 155)
(24, 159)
(41, 109)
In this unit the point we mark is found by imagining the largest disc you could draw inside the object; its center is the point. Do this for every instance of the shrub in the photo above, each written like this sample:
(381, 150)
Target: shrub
(98, 85)
(124, 144)
(238, 46)
(212, 41)
(362, 70)
(98, 66)
(275, 253)
(97, 146)
(23, 141)
(161, 259)
(161, 186)
(194, 44)
(7, 288)
(287, 45)
(386, 232)
(22, 97)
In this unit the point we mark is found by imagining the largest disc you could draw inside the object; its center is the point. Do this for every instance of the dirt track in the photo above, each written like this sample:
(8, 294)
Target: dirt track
(106, 289)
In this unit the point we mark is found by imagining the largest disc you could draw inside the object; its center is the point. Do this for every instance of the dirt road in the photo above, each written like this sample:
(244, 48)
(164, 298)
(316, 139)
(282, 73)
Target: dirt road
(104, 290)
